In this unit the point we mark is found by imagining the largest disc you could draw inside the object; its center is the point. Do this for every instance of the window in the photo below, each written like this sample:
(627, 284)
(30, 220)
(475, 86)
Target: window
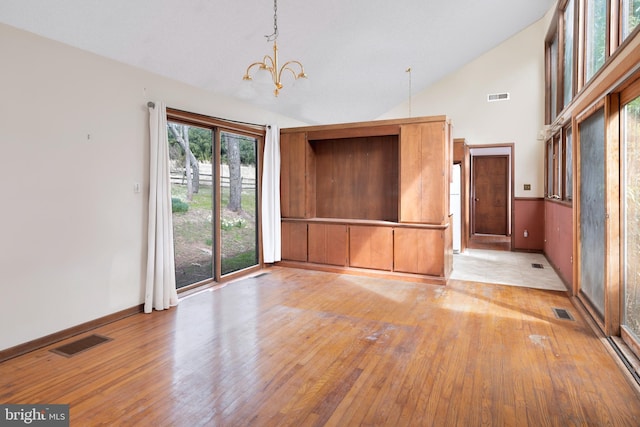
(568, 163)
(214, 190)
(559, 172)
(567, 42)
(630, 16)
(552, 81)
(191, 201)
(591, 236)
(549, 169)
(238, 202)
(560, 65)
(595, 37)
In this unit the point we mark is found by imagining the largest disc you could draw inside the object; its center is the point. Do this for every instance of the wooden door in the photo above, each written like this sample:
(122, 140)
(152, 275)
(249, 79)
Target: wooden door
(296, 176)
(418, 251)
(490, 194)
(328, 244)
(294, 241)
(424, 168)
(371, 247)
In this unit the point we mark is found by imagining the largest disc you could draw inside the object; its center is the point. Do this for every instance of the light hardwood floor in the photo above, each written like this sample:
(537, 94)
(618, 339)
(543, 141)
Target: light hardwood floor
(305, 348)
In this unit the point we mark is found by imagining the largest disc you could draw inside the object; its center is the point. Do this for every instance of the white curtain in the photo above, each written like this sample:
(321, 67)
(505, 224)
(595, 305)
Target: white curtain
(271, 237)
(160, 292)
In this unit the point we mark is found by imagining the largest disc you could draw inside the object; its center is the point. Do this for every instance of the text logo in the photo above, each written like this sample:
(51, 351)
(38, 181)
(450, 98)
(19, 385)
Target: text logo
(34, 415)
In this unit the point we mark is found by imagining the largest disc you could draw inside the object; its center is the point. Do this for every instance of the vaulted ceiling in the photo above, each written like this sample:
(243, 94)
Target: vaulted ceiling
(355, 52)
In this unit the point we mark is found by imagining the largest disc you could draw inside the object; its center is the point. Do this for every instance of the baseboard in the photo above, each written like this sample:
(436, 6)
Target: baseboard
(27, 347)
(382, 274)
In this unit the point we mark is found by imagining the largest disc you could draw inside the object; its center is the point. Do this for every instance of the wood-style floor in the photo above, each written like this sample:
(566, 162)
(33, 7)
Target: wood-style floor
(306, 348)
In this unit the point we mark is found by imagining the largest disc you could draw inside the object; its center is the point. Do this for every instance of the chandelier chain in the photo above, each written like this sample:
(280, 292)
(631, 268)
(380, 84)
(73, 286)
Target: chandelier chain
(274, 36)
(271, 64)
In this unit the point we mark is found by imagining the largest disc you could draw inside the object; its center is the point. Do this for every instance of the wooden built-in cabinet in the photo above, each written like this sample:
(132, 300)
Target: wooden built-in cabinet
(327, 243)
(368, 197)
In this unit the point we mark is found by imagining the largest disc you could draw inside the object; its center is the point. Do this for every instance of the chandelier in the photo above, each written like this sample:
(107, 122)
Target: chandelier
(270, 63)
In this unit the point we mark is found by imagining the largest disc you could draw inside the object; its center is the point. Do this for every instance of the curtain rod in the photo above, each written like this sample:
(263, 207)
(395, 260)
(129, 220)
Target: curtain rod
(153, 105)
(224, 120)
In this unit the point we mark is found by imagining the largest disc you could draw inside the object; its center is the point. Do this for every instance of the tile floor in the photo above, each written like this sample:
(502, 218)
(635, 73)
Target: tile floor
(506, 268)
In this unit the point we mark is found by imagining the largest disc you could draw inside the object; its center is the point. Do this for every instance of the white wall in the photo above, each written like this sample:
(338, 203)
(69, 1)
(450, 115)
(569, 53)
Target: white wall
(516, 66)
(73, 141)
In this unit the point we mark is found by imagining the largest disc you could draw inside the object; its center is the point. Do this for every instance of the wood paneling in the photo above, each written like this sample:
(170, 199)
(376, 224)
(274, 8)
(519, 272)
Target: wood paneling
(419, 251)
(558, 246)
(297, 348)
(371, 247)
(357, 178)
(424, 172)
(294, 241)
(328, 244)
(295, 188)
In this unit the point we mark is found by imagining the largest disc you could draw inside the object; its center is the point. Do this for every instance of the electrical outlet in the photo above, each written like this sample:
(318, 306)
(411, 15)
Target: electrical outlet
(527, 187)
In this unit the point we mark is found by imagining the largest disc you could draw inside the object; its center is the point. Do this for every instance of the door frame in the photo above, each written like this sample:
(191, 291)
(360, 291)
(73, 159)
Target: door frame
(493, 150)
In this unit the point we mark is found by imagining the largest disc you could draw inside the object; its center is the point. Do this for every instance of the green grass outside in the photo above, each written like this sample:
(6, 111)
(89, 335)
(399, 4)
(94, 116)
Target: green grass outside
(198, 231)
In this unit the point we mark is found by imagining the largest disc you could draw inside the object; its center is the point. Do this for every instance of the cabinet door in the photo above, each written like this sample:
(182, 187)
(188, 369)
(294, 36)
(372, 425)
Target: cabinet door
(294, 241)
(371, 247)
(424, 180)
(328, 244)
(419, 251)
(295, 176)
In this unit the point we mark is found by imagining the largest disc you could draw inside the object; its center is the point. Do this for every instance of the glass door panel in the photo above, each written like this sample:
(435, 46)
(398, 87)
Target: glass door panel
(191, 202)
(238, 202)
(631, 216)
(592, 210)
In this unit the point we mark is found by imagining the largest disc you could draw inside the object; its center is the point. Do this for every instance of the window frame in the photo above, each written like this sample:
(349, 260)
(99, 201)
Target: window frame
(218, 126)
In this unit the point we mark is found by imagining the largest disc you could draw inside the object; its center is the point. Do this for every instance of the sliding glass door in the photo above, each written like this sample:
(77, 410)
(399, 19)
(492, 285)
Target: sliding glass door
(214, 192)
(238, 202)
(190, 149)
(631, 222)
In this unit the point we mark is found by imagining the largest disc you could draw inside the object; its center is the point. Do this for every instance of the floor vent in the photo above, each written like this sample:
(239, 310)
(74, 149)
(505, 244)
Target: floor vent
(259, 275)
(563, 314)
(534, 265)
(80, 345)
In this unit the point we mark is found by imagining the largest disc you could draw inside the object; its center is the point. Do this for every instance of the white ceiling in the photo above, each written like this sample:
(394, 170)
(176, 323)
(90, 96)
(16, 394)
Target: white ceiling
(355, 52)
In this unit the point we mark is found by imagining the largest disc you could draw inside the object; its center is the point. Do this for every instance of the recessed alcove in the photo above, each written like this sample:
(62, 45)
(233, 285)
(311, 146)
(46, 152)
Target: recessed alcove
(357, 178)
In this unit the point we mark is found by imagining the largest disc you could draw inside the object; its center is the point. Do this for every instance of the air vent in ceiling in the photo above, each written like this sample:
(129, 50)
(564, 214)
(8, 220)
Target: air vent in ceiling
(492, 97)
